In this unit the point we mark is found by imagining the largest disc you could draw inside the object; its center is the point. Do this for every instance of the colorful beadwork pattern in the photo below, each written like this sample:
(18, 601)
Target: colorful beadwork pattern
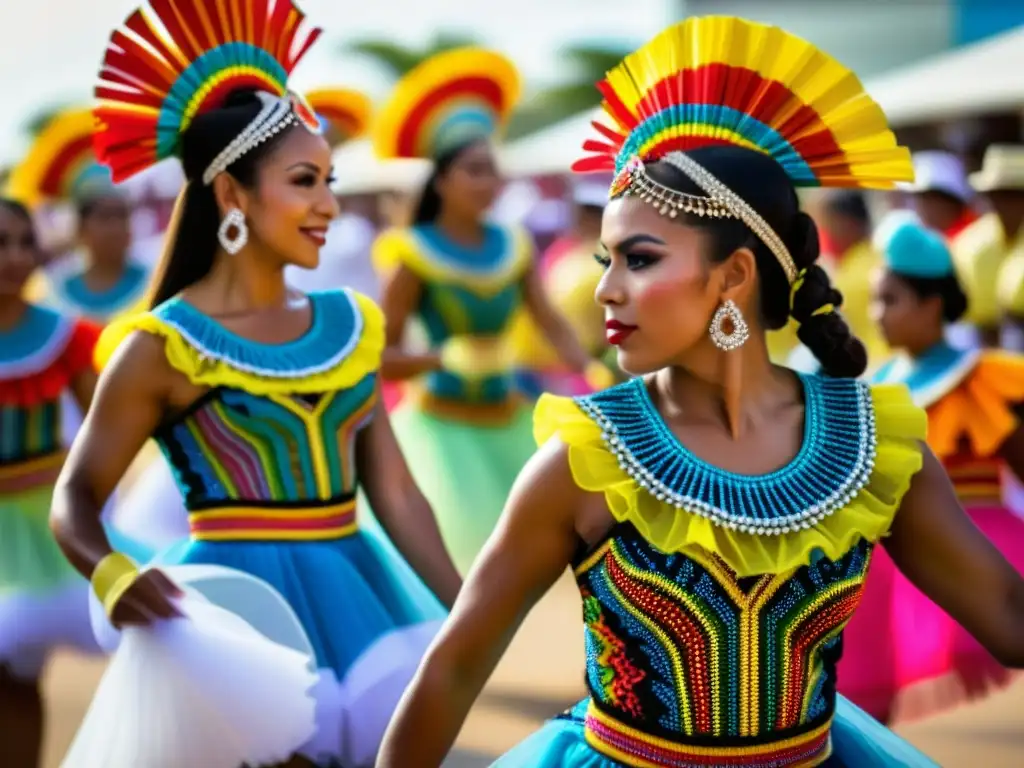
(679, 648)
(233, 448)
(834, 462)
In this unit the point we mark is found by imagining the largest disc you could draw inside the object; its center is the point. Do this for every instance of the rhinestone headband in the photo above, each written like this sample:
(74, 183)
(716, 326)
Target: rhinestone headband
(720, 203)
(276, 114)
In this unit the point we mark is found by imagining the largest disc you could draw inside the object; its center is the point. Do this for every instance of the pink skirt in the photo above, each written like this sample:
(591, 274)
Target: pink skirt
(903, 656)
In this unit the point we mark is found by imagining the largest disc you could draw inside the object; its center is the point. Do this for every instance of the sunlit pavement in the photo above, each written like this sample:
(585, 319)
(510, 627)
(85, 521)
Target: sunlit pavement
(542, 674)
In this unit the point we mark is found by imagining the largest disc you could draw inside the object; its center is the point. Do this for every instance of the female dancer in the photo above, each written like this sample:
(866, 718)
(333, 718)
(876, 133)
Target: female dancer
(99, 280)
(466, 434)
(720, 512)
(43, 601)
(973, 399)
(263, 401)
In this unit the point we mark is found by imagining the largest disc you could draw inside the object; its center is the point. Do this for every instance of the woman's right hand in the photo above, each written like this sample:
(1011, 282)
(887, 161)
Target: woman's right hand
(151, 597)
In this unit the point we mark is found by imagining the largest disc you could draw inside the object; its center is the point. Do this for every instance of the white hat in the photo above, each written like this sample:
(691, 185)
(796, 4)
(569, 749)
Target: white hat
(937, 171)
(590, 193)
(1002, 169)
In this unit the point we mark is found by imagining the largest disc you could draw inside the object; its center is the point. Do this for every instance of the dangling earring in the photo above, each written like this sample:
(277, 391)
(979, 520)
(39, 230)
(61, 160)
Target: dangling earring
(740, 333)
(234, 219)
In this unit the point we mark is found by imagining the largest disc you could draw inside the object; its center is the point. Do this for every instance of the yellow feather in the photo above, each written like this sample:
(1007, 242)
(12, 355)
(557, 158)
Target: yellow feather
(64, 129)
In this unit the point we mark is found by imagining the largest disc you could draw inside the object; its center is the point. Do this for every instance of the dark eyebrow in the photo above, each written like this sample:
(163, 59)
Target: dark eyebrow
(634, 240)
(304, 164)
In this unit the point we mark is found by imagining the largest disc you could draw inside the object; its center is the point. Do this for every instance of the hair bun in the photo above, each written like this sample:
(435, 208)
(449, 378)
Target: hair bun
(815, 291)
(826, 334)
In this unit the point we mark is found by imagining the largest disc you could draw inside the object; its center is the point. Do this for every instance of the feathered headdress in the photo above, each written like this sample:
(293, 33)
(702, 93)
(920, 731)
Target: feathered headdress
(345, 112)
(61, 164)
(449, 99)
(172, 60)
(719, 80)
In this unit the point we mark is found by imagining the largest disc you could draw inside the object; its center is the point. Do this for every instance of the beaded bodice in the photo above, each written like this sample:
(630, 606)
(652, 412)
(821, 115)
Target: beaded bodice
(232, 447)
(678, 647)
(468, 292)
(246, 442)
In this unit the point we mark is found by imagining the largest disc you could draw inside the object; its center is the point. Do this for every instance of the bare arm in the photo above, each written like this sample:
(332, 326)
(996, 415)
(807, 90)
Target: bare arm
(555, 327)
(126, 409)
(83, 387)
(530, 548)
(400, 298)
(402, 510)
(935, 544)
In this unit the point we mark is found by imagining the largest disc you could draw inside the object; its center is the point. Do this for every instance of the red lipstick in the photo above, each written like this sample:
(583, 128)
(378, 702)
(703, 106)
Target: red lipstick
(616, 332)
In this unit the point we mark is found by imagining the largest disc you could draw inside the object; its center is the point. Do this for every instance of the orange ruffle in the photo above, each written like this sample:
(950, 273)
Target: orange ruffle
(981, 408)
(49, 383)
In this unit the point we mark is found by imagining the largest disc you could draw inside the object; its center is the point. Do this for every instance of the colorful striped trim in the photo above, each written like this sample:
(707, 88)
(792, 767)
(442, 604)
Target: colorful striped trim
(332, 521)
(32, 473)
(977, 481)
(632, 747)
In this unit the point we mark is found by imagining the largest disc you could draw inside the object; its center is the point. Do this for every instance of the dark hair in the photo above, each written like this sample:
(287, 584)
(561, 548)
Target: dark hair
(850, 203)
(429, 206)
(764, 185)
(17, 208)
(191, 244)
(948, 289)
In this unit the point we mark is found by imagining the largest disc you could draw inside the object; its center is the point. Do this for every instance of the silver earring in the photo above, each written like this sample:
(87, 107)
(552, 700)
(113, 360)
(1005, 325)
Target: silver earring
(234, 219)
(740, 333)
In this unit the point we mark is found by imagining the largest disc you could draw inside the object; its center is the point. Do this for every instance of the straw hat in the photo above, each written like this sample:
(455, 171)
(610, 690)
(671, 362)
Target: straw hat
(1002, 169)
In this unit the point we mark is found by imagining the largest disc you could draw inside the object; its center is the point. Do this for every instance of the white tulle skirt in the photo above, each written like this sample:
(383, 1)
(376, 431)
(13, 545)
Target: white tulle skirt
(152, 510)
(213, 689)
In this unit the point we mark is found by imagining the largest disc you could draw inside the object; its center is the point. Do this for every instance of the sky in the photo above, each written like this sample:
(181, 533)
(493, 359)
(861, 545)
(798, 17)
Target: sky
(52, 48)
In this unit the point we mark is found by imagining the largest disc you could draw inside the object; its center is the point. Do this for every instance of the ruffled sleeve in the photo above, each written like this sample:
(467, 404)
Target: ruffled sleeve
(981, 408)
(47, 383)
(204, 370)
(900, 427)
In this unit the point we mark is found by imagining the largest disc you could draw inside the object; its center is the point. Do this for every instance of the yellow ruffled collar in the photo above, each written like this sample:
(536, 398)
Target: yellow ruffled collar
(344, 344)
(865, 512)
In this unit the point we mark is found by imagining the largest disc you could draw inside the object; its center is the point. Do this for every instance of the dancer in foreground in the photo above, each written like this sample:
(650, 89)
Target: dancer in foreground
(45, 360)
(467, 433)
(264, 401)
(719, 512)
(905, 656)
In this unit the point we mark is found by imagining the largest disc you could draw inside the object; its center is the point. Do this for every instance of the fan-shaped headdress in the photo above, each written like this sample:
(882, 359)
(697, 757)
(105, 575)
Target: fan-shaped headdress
(344, 113)
(172, 60)
(717, 80)
(60, 165)
(448, 100)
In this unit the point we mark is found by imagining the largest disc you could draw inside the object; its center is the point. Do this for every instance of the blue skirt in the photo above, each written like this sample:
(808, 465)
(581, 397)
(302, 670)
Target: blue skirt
(858, 741)
(368, 618)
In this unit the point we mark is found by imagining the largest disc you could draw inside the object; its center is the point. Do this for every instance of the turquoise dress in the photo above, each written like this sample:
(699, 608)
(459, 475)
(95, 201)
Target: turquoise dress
(44, 602)
(465, 434)
(67, 291)
(715, 606)
(266, 463)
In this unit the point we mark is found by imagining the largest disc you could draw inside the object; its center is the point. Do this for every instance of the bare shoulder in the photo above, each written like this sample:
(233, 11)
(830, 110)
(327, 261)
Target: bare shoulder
(139, 368)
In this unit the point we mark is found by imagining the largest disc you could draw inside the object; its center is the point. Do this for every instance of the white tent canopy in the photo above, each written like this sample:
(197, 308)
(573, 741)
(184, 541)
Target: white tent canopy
(551, 150)
(986, 76)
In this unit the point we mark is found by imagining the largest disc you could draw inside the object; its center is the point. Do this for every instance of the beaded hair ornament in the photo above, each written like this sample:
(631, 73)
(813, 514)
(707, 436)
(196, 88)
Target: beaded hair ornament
(172, 60)
(60, 165)
(720, 80)
(450, 99)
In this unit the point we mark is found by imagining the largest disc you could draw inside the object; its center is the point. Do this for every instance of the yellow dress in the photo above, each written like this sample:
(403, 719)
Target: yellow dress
(978, 254)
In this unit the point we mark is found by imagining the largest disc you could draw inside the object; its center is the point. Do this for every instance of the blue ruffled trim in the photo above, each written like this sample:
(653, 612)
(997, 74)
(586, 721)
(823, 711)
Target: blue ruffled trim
(493, 255)
(833, 464)
(34, 343)
(74, 293)
(334, 332)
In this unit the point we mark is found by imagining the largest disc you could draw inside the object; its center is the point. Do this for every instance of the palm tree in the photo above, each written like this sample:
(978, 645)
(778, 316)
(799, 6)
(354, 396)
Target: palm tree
(398, 59)
(38, 120)
(587, 62)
